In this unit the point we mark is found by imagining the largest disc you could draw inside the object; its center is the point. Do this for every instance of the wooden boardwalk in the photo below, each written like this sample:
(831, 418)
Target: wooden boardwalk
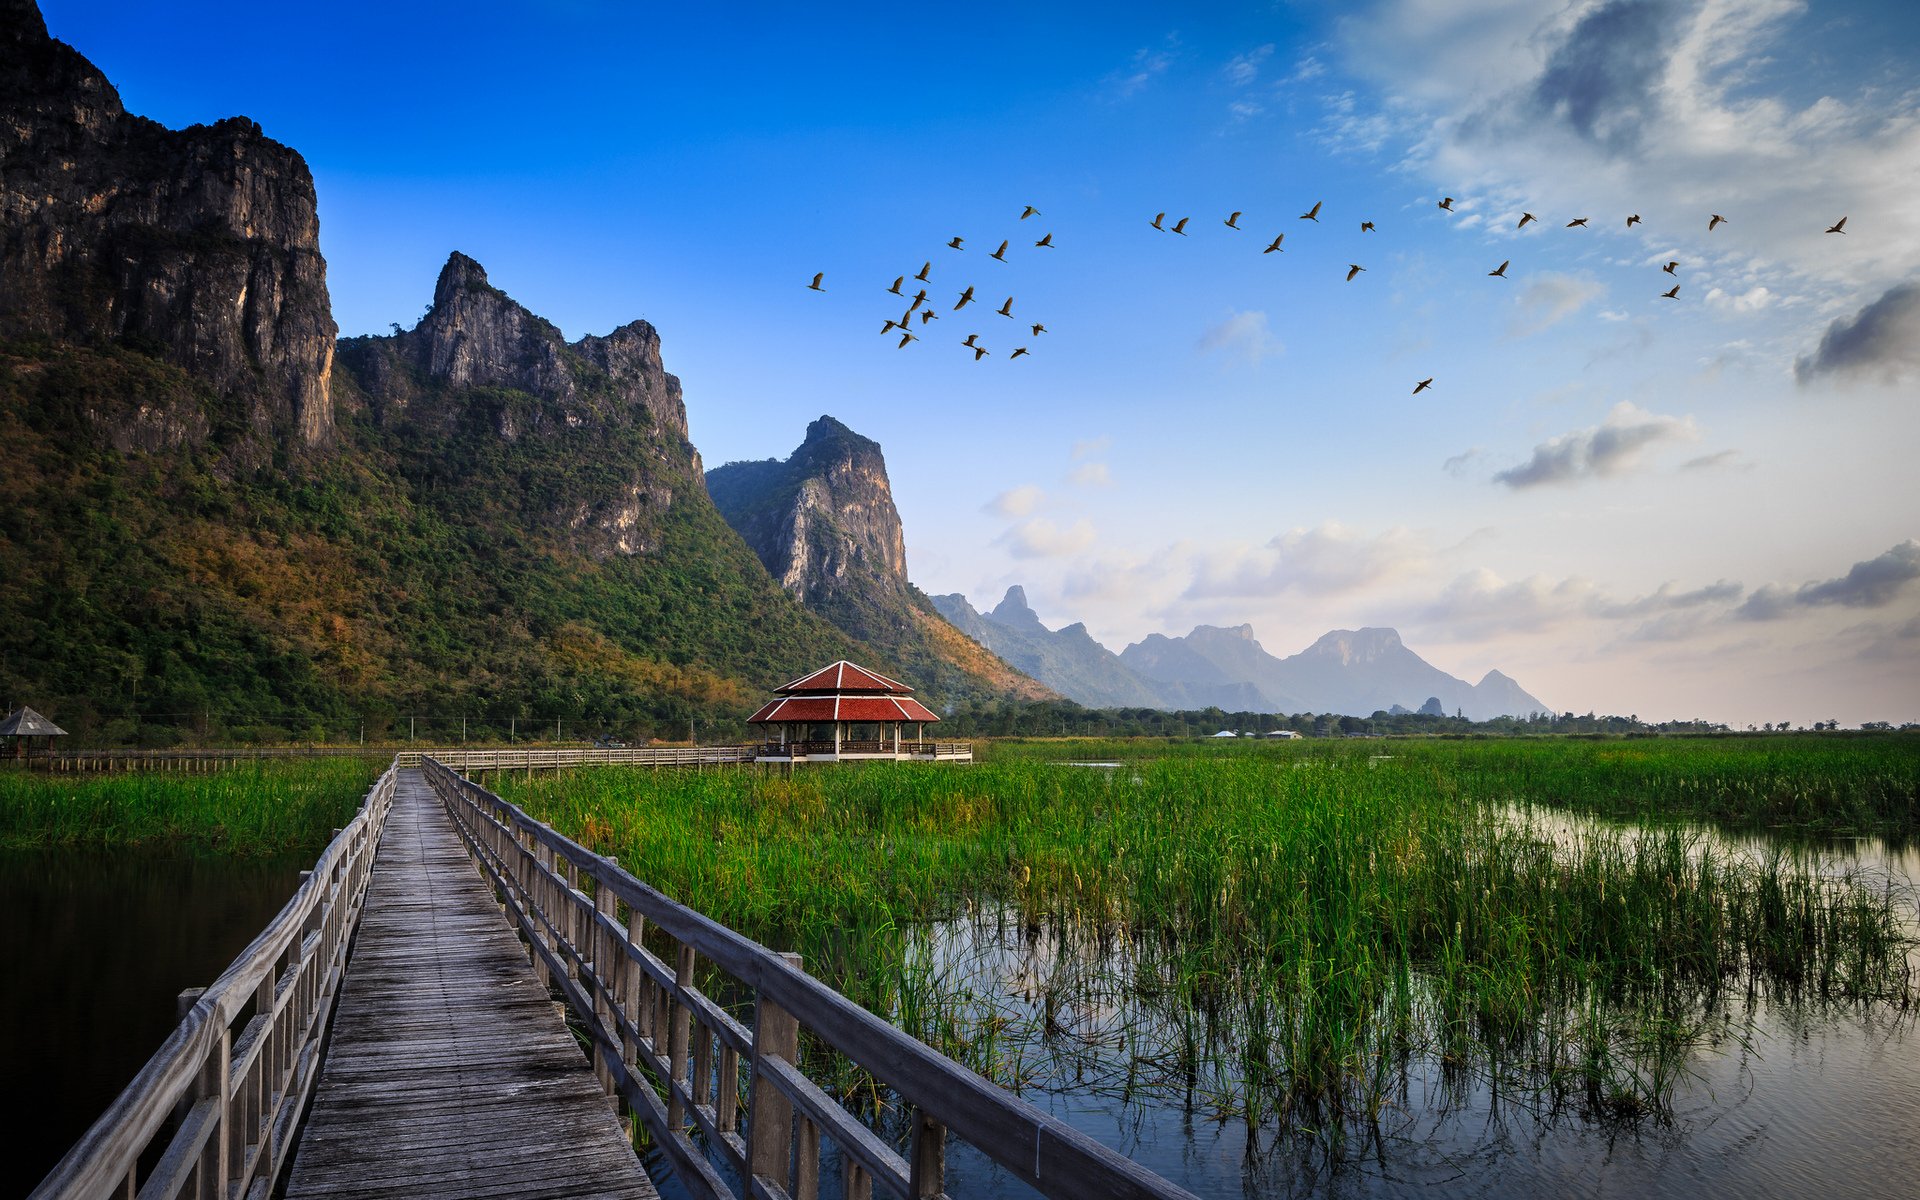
(450, 1073)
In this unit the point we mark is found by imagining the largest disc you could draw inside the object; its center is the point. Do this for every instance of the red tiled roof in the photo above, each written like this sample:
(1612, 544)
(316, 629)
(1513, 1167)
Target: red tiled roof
(842, 708)
(843, 676)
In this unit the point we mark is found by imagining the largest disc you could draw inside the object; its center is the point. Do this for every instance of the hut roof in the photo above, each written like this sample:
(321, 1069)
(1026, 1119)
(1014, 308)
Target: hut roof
(842, 708)
(840, 678)
(24, 722)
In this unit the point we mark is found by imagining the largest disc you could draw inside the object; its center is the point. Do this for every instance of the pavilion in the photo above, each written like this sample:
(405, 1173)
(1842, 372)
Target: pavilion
(24, 724)
(844, 712)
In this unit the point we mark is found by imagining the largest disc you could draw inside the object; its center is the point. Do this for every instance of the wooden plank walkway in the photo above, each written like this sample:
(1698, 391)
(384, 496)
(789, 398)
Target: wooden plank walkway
(450, 1074)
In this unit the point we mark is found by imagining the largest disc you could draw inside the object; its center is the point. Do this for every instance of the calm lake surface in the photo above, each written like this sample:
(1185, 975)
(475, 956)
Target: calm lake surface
(1784, 1102)
(98, 946)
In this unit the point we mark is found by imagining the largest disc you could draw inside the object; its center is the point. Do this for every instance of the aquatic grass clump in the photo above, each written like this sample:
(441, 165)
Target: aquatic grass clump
(1282, 940)
(248, 809)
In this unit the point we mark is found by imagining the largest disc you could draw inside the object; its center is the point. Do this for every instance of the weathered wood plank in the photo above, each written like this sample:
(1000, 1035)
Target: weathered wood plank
(449, 1073)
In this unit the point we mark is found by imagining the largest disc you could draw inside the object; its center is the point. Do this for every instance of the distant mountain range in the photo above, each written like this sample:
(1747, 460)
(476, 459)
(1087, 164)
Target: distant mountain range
(1349, 671)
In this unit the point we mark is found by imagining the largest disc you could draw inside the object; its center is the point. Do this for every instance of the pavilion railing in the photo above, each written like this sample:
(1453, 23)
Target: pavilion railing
(708, 1088)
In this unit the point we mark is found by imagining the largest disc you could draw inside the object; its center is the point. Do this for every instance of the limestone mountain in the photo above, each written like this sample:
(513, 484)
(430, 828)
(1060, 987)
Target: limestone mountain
(1350, 672)
(823, 523)
(1068, 660)
(1353, 672)
(199, 246)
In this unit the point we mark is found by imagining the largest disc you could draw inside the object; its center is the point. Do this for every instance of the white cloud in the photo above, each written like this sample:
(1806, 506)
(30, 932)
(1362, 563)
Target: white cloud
(1874, 583)
(1882, 340)
(1611, 448)
(1016, 502)
(1327, 560)
(1243, 336)
(1752, 300)
(1243, 69)
(1091, 474)
(1673, 109)
(1458, 465)
(1090, 446)
(1550, 298)
(1146, 65)
(1038, 537)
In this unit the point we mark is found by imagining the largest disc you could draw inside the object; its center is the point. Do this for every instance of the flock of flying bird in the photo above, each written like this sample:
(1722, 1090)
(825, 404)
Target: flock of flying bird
(905, 321)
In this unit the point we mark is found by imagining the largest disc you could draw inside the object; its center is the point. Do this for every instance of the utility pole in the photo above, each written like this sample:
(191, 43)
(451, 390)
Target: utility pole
(409, 728)
(463, 729)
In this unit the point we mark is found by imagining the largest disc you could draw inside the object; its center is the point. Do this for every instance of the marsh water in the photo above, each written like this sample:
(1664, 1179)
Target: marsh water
(98, 946)
(1777, 1099)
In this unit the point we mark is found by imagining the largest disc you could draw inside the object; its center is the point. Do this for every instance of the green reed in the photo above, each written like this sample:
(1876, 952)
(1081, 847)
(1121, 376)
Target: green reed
(1276, 937)
(249, 809)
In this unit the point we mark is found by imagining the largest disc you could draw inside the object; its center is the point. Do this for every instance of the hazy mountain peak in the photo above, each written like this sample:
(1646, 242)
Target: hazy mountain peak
(1356, 645)
(1013, 609)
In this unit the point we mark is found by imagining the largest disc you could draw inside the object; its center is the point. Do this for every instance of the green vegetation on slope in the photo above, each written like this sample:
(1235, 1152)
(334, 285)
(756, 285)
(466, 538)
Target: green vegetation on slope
(394, 575)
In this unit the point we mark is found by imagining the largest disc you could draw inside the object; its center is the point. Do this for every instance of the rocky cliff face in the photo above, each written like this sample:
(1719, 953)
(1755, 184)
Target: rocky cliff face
(595, 430)
(200, 246)
(823, 521)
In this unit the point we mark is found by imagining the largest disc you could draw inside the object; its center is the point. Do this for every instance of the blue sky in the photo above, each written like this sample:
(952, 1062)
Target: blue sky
(1700, 506)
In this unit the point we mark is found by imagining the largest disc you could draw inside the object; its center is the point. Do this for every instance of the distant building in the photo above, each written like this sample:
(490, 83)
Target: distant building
(23, 725)
(1281, 733)
(843, 712)
(1226, 733)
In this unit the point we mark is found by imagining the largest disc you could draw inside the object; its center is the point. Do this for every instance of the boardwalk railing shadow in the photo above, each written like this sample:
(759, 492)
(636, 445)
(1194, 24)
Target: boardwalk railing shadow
(682, 1064)
(221, 1104)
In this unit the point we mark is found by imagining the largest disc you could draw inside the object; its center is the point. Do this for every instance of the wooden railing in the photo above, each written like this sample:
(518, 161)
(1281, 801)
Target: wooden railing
(683, 1064)
(237, 1095)
(531, 758)
(957, 750)
(198, 759)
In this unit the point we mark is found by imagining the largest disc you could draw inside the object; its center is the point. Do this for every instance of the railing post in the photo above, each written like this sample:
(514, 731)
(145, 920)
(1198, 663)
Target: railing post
(776, 1034)
(679, 1034)
(215, 1167)
(927, 1157)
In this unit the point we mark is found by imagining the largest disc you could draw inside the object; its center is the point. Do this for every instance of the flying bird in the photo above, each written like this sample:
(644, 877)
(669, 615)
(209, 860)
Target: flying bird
(1717, 219)
(1031, 211)
(1017, 353)
(1839, 226)
(1672, 293)
(927, 314)
(969, 342)
(1671, 268)
(1501, 270)
(1577, 222)
(815, 285)
(955, 243)
(1633, 220)
(980, 352)
(1001, 253)
(1366, 227)
(1446, 202)
(919, 298)
(924, 268)
(1352, 270)
(1180, 226)
(1046, 241)
(1524, 218)
(908, 337)
(1276, 245)
(890, 326)
(1006, 310)
(1423, 385)
(1039, 329)
(1233, 221)
(1312, 214)
(895, 289)
(1156, 222)
(966, 298)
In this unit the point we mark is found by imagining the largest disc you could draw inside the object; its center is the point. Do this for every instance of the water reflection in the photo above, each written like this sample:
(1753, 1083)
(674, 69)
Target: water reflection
(1772, 1096)
(97, 947)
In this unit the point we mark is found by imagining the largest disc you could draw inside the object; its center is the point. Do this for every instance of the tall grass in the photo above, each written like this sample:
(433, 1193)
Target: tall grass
(251, 809)
(1270, 937)
(1853, 783)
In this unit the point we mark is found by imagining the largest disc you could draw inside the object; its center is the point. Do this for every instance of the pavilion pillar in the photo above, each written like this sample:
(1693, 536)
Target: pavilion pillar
(836, 739)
